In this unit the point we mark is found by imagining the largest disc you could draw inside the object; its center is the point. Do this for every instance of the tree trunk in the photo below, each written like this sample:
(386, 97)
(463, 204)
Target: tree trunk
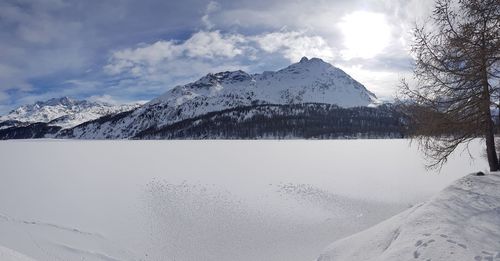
(489, 125)
(490, 147)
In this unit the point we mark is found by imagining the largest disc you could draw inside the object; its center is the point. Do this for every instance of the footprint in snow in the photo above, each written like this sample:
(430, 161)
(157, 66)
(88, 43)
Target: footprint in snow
(420, 244)
(487, 256)
(464, 246)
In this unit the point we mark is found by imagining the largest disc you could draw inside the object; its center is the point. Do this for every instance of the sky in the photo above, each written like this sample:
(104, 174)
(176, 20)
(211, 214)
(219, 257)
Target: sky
(121, 51)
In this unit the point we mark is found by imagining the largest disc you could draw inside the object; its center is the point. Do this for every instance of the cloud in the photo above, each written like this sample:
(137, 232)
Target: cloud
(104, 98)
(380, 81)
(12, 78)
(213, 44)
(3, 96)
(212, 7)
(148, 59)
(294, 45)
(35, 44)
(45, 44)
(208, 50)
(134, 59)
(368, 39)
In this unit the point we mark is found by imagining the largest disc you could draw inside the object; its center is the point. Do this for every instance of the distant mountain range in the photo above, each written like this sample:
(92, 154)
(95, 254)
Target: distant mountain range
(64, 112)
(310, 94)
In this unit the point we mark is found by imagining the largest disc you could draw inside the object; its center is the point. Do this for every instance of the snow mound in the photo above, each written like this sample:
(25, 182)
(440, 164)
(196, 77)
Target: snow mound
(7, 254)
(460, 223)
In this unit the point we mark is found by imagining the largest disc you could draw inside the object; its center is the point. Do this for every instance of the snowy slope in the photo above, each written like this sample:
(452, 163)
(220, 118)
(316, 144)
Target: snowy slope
(308, 81)
(460, 223)
(64, 112)
(7, 254)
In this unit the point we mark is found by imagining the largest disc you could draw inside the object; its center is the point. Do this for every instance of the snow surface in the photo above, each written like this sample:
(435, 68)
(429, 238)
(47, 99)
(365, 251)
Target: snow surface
(64, 112)
(205, 200)
(7, 254)
(308, 81)
(461, 223)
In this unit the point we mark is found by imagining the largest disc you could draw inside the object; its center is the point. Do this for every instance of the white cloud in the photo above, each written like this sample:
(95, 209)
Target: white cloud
(147, 55)
(81, 86)
(147, 59)
(213, 44)
(381, 81)
(212, 49)
(157, 67)
(294, 45)
(212, 7)
(105, 98)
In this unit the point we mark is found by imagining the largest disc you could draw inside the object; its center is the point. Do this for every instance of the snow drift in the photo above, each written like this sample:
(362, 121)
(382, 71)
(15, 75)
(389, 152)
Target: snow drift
(460, 223)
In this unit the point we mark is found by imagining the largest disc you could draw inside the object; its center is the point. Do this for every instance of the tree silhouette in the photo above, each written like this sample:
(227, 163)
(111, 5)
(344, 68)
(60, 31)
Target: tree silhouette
(457, 56)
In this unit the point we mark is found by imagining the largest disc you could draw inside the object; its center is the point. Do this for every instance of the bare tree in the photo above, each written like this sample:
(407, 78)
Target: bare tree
(457, 54)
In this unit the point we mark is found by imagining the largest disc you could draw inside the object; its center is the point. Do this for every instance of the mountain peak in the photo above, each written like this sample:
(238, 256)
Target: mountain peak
(56, 101)
(74, 111)
(313, 60)
(311, 63)
(317, 60)
(313, 66)
(231, 75)
(227, 76)
(65, 99)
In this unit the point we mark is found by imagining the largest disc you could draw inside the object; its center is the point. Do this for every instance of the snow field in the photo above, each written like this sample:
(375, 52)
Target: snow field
(206, 200)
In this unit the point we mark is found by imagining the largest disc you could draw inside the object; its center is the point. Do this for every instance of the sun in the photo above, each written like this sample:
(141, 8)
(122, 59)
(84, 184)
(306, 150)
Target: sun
(365, 34)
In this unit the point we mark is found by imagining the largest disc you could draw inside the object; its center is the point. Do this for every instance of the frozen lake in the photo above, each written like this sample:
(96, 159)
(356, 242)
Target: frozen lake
(206, 200)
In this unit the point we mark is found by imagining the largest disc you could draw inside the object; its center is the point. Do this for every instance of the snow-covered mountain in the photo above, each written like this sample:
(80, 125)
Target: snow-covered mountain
(308, 81)
(63, 112)
(460, 223)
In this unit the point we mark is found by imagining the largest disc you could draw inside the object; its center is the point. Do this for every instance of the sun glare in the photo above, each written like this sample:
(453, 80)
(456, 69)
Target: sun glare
(365, 34)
